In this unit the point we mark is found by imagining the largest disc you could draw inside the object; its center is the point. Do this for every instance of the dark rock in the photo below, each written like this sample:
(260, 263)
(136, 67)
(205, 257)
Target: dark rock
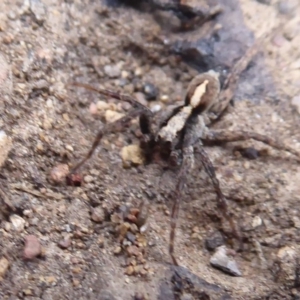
(250, 153)
(267, 2)
(214, 240)
(150, 91)
(130, 237)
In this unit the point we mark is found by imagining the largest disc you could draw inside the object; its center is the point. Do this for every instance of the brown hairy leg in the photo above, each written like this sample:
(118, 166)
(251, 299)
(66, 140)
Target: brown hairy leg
(217, 137)
(117, 126)
(187, 163)
(222, 204)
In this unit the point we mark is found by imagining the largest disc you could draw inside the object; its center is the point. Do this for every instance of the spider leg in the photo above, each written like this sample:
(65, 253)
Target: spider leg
(222, 204)
(217, 137)
(115, 95)
(187, 163)
(117, 126)
(231, 82)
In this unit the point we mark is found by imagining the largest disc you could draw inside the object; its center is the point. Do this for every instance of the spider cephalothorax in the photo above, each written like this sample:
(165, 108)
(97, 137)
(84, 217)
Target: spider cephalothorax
(201, 94)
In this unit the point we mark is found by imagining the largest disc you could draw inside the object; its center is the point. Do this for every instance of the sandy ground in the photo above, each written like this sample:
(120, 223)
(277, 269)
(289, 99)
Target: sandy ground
(46, 44)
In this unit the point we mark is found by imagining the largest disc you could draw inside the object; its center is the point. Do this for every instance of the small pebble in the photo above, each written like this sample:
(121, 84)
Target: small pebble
(38, 8)
(164, 98)
(214, 240)
(150, 91)
(256, 222)
(144, 228)
(278, 40)
(133, 250)
(88, 178)
(66, 117)
(27, 292)
(17, 222)
(47, 124)
(295, 103)
(41, 84)
(286, 252)
(129, 270)
(7, 226)
(74, 180)
(69, 148)
(123, 228)
(102, 106)
(12, 15)
(112, 116)
(130, 237)
(250, 153)
(101, 242)
(5, 146)
(4, 265)
(220, 260)
(98, 214)
(266, 2)
(140, 97)
(138, 72)
(117, 250)
(286, 7)
(58, 173)
(50, 279)
(76, 282)
(290, 33)
(112, 71)
(32, 248)
(125, 74)
(237, 177)
(93, 109)
(65, 243)
(156, 108)
(134, 228)
(132, 154)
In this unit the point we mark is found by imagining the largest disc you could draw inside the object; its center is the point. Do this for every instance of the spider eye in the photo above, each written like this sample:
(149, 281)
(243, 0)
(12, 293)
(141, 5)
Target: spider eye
(203, 91)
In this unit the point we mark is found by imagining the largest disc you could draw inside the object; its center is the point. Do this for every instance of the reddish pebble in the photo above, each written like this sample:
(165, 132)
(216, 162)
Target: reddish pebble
(59, 173)
(134, 211)
(65, 243)
(132, 218)
(279, 41)
(74, 179)
(93, 109)
(32, 248)
(133, 250)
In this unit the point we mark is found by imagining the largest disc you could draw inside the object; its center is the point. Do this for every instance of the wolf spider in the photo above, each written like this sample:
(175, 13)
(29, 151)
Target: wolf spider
(179, 138)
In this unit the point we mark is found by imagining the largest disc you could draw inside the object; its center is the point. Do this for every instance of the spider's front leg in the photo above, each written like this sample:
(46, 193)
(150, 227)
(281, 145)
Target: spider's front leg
(117, 126)
(219, 137)
(222, 204)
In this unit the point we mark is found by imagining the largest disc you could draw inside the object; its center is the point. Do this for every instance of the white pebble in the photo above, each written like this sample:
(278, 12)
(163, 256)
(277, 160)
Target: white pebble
(18, 223)
(70, 148)
(156, 108)
(5, 146)
(256, 222)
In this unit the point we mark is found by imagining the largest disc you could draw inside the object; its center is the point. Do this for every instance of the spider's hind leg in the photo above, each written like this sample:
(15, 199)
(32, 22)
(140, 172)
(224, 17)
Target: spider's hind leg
(222, 203)
(219, 137)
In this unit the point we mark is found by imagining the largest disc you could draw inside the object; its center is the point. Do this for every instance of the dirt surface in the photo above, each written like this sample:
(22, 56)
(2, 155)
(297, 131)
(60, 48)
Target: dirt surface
(67, 254)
